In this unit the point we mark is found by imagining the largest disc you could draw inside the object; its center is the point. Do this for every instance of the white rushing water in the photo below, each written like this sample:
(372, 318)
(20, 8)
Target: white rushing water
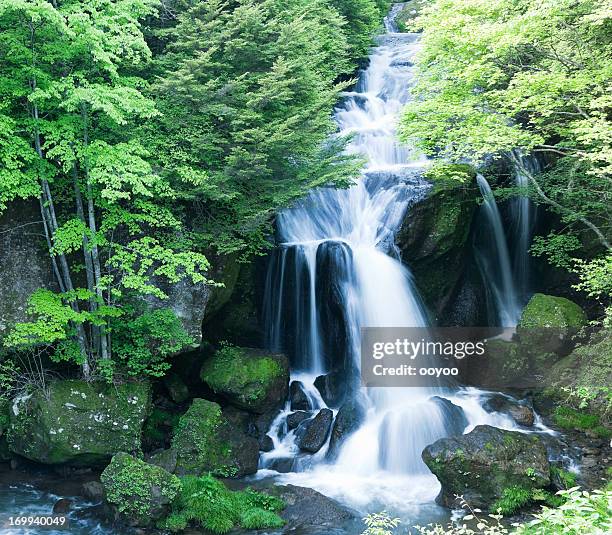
(493, 258)
(343, 239)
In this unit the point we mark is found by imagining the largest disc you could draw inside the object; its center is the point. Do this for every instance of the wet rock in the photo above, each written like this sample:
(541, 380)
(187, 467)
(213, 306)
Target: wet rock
(349, 418)
(206, 441)
(308, 510)
(284, 465)
(519, 412)
(266, 444)
(484, 462)
(93, 491)
(433, 237)
(312, 434)
(547, 325)
(165, 459)
(332, 387)
(250, 379)
(62, 506)
(141, 493)
(505, 364)
(79, 422)
(296, 418)
(298, 397)
(454, 417)
(177, 389)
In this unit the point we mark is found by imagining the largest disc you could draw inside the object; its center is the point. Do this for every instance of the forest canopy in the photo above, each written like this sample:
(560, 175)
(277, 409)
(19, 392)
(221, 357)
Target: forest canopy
(497, 76)
(153, 134)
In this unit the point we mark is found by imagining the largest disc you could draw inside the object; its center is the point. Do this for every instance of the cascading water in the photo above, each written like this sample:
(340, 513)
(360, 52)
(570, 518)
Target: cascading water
(335, 271)
(523, 212)
(494, 259)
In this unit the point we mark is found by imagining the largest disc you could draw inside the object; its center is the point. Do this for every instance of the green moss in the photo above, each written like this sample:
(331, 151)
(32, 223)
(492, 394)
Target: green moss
(198, 443)
(159, 424)
(80, 422)
(568, 418)
(550, 311)
(241, 374)
(512, 500)
(206, 503)
(138, 489)
(565, 478)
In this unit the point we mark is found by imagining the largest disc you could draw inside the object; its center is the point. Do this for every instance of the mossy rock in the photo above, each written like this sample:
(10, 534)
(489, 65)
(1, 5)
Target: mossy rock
(547, 324)
(434, 234)
(5, 454)
(142, 493)
(505, 364)
(226, 271)
(249, 379)
(205, 441)
(78, 422)
(483, 463)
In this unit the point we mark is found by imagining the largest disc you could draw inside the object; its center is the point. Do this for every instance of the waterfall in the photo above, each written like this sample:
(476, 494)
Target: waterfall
(493, 259)
(523, 212)
(335, 271)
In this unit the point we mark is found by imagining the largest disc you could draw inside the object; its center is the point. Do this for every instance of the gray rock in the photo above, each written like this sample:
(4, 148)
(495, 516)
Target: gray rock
(454, 417)
(93, 491)
(165, 459)
(484, 462)
(296, 418)
(519, 412)
(266, 444)
(298, 397)
(332, 388)
(350, 417)
(312, 434)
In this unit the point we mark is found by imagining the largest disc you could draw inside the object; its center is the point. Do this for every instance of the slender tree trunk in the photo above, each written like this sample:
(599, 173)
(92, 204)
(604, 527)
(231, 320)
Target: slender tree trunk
(89, 270)
(91, 215)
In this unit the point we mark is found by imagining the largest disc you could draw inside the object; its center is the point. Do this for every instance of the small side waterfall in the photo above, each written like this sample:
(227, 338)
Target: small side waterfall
(523, 214)
(493, 259)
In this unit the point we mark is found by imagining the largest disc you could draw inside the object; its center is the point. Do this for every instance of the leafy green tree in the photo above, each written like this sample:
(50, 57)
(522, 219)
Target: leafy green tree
(246, 111)
(70, 103)
(499, 75)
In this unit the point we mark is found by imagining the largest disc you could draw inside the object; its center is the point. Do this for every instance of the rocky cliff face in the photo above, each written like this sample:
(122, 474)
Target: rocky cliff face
(24, 261)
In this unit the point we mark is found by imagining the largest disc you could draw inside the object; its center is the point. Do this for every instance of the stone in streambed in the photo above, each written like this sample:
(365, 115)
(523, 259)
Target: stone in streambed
(519, 412)
(206, 441)
(350, 417)
(79, 422)
(141, 493)
(455, 421)
(266, 443)
(483, 463)
(298, 397)
(312, 434)
(332, 388)
(296, 418)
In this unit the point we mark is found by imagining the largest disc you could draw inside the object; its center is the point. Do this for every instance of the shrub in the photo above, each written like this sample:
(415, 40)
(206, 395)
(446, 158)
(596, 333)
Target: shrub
(206, 502)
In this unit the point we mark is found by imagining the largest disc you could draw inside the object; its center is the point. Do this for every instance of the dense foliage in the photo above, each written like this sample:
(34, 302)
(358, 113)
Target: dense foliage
(501, 75)
(153, 134)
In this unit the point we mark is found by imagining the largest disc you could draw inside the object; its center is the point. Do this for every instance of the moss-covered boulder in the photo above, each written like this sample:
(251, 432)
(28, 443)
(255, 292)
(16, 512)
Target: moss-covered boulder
(505, 364)
(205, 441)
(79, 422)
(141, 493)
(433, 237)
(547, 325)
(482, 464)
(249, 379)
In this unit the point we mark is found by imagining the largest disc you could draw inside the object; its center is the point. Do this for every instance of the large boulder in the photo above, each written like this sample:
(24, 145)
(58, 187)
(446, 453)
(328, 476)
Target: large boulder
(79, 422)
(433, 237)
(547, 325)
(141, 493)
(205, 441)
(250, 379)
(349, 418)
(298, 398)
(312, 434)
(483, 463)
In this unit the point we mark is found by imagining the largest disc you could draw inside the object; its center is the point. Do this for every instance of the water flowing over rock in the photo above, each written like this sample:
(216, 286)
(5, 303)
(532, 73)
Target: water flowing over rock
(298, 397)
(481, 464)
(296, 418)
(350, 417)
